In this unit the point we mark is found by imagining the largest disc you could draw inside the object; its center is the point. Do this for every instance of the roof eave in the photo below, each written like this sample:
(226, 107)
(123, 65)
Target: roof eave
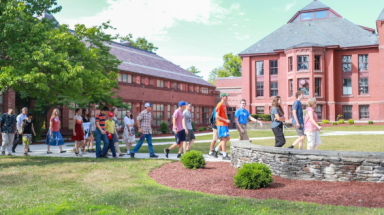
(257, 54)
(360, 47)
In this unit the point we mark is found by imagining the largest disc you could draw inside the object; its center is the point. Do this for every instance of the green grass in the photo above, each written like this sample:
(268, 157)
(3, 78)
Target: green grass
(364, 143)
(355, 128)
(46, 185)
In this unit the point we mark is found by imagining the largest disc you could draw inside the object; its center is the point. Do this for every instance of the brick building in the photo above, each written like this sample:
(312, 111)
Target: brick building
(324, 55)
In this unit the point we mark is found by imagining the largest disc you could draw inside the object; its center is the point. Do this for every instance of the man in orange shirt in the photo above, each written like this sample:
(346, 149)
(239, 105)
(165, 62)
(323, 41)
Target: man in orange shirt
(222, 126)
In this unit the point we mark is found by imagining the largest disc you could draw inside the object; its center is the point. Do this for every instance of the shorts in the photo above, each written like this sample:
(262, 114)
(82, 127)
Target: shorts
(180, 136)
(313, 138)
(115, 139)
(27, 139)
(223, 131)
(215, 134)
(299, 131)
(190, 136)
(243, 136)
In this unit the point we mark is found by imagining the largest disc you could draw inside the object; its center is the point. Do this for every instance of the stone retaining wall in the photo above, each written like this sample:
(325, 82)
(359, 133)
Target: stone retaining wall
(311, 165)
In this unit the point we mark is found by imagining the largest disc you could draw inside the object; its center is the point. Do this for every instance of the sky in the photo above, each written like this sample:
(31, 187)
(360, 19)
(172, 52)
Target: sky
(200, 32)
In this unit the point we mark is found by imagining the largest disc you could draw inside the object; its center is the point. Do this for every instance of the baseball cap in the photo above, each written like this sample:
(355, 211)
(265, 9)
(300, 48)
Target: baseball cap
(110, 114)
(181, 103)
(223, 94)
(148, 105)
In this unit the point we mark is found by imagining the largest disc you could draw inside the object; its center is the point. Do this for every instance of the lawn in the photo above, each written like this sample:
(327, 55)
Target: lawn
(46, 185)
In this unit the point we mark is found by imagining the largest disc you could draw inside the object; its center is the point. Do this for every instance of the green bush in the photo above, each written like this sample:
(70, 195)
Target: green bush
(193, 160)
(341, 121)
(163, 127)
(193, 125)
(334, 123)
(318, 123)
(253, 176)
(264, 117)
(202, 128)
(325, 121)
(338, 117)
(351, 121)
(370, 122)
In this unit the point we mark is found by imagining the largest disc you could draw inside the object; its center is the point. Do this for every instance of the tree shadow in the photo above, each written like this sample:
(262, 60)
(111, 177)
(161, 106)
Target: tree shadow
(275, 186)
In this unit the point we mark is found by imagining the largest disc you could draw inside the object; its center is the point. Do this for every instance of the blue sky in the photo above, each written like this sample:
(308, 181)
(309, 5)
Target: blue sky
(200, 32)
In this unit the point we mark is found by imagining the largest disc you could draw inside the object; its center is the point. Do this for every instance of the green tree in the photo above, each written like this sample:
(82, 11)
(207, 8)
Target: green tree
(216, 72)
(194, 71)
(140, 43)
(232, 64)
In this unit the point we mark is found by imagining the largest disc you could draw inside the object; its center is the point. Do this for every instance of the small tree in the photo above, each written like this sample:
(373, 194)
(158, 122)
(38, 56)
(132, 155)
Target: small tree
(163, 127)
(193, 125)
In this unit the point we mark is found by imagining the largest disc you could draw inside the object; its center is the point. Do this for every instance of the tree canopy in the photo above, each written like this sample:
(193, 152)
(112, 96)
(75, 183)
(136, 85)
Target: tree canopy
(140, 43)
(231, 67)
(194, 71)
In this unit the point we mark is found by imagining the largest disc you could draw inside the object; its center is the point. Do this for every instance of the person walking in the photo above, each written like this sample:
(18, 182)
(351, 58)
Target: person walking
(117, 129)
(312, 128)
(241, 119)
(129, 131)
(19, 119)
(110, 127)
(298, 120)
(78, 132)
(222, 126)
(144, 124)
(87, 129)
(8, 130)
(190, 134)
(54, 137)
(215, 137)
(27, 131)
(92, 129)
(179, 128)
(277, 115)
(101, 134)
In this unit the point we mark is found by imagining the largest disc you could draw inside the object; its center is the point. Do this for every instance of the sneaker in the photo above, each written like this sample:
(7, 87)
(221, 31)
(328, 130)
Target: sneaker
(49, 152)
(3, 152)
(26, 154)
(178, 155)
(166, 152)
(221, 153)
(128, 152)
(29, 150)
(13, 151)
(78, 155)
(290, 147)
(83, 152)
(153, 156)
(74, 150)
(226, 158)
(93, 151)
(116, 157)
(132, 155)
(63, 151)
(214, 153)
(210, 155)
(9, 154)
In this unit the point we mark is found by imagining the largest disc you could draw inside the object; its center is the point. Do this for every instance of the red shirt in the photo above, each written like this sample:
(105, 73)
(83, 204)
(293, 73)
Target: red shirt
(222, 110)
(100, 118)
(55, 124)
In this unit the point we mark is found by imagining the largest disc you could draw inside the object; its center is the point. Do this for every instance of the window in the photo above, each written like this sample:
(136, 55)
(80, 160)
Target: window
(143, 80)
(197, 89)
(290, 82)
(307, 16)
(260, 68)
(71, 115)
(363, 86)
(364, 111)
(347, 111)
(304, 86)
(319, 112)
(274, 89)
(190, 88)
(125, 78)
(205, 115)
(138, 79)
(193, 113)
(181, 86)
(169, 113)
(174, 85)
(317, 86)
(198, 115)
(321, 14)
(158, 114)
(290, 112)
(363, 62)
(259, 110)
(347, 63)
(290, 64)
(302, 62)
(160, 83)
(259, 89)
(347, 86)
(317, 62)
(204, 90)
(273, 67)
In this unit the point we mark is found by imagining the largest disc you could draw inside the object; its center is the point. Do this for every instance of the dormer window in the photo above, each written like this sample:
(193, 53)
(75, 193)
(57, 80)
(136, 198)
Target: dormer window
(307, 16)
(314, 15)
(321, 14)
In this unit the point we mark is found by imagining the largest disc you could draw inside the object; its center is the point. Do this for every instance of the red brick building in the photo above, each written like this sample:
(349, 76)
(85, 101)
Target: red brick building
(324, 55)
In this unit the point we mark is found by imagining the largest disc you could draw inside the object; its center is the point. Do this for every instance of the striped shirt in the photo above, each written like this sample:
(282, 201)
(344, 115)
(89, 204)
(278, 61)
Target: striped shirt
(100, 118)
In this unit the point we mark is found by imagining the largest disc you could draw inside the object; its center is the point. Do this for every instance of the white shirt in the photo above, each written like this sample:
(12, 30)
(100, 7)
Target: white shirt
(129, 121)
(20, 118)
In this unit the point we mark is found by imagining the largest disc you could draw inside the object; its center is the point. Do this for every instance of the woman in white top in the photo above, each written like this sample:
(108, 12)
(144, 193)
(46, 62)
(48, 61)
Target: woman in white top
(129, 131)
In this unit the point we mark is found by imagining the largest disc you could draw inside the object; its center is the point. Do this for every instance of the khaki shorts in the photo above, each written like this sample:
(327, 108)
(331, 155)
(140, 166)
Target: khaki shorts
(215, 134)
(243, 136)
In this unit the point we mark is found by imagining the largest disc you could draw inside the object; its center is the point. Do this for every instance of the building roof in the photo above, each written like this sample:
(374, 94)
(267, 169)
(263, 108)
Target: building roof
(49, 16)
(148, 63)
(314, 5)
(381, 16)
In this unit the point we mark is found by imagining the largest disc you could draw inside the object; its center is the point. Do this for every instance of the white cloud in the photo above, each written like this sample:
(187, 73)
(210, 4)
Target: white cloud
(152, 18)
(247, 19)
(241, 14)
(288, 6)
(235, 24)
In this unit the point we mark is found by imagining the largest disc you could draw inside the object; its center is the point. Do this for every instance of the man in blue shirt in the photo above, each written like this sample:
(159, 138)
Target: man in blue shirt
(241, 119)
(298, 121)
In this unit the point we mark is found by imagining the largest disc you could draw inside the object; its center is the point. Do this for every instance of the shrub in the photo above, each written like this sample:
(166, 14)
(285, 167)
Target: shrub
(193, 125)
(351, 121)
(370, 122)
(163, 127)
(264, 117)
(318, 123)
(325, 121)
(193, 160)
(341, 121)
(201, 129)
(338, 117)
(334, 123)
(253, 176)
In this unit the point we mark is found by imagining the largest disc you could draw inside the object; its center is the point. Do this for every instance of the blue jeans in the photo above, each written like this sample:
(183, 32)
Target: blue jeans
(149, 141)
(99, 137)
(112, 147)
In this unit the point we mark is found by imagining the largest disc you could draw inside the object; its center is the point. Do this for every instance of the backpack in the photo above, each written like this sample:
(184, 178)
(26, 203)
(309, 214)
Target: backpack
(212, 119)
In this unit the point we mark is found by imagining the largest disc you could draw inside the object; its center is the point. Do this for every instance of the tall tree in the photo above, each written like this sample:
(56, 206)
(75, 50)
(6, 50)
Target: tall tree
(232, 64)
(140, 43)
(215, 73)
(194, 71)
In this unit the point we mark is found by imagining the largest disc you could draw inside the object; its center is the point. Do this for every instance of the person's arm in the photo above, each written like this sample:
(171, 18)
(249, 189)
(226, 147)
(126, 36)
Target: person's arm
(174, 122)
(294, 113)
(279, 118)
(313, 120)
(73, 125)
(117, 134)
(15, 128)
(238, 125)
(138, 121)
(50, 127)
(22, 124)
(33, 130)
(185, 126)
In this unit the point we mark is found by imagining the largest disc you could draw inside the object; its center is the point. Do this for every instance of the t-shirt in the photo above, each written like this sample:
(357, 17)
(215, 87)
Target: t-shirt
(100, 118)
(299, 112)
(128, 121)
(275, 123)
(55, 124)
(188, 119)
(242, 115)
(110, 126)
(27, 129)
(179, 120)
(221, 109)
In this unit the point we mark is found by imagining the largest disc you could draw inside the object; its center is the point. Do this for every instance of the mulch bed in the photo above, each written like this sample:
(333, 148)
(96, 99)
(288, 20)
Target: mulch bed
(217, 178)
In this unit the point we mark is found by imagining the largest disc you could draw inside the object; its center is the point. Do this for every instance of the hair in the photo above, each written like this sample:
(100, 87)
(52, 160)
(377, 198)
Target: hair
(105, 108)
(29, 114)
(11, 108)
(130, 116)
(275, 103)
(298, 93)
(89, 113)
(55, 112)
(77, 110)
(311, 102)
(113, 109)
(24, 108)
(243, 100)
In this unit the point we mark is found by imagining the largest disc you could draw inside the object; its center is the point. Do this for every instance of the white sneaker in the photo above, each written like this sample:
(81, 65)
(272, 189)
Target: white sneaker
(128, 152)
(79, 155)
(210, 155)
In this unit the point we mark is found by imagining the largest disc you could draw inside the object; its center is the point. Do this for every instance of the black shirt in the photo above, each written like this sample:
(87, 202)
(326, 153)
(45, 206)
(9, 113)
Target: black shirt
(85, 120)
(27, 126)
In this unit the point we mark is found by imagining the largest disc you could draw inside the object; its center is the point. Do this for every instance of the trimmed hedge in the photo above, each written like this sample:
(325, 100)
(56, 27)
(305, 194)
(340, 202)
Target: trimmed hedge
(351, 121)
(193, 160)
(264, 117)
(202, 128)
(253, 176)
(341, 121)
(370, 122)
(325, 121)
(334, 123)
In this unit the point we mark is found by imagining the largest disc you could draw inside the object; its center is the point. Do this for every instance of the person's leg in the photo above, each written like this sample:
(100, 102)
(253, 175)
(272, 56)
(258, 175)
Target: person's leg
(76, 147)
(181, 148)
(191, 139)
(190, 144)
(4, 142)
(112, 147)
(245, 135)
(61, 148)
(98, 143)
(105, 139)
(184, 147)
(117, 148)
(318, 140)
(17, 141)
(174, 146)
(311, 140)
(238, 130)
(48, 148)
(11, 137)
(138, 145)
(150, 146)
